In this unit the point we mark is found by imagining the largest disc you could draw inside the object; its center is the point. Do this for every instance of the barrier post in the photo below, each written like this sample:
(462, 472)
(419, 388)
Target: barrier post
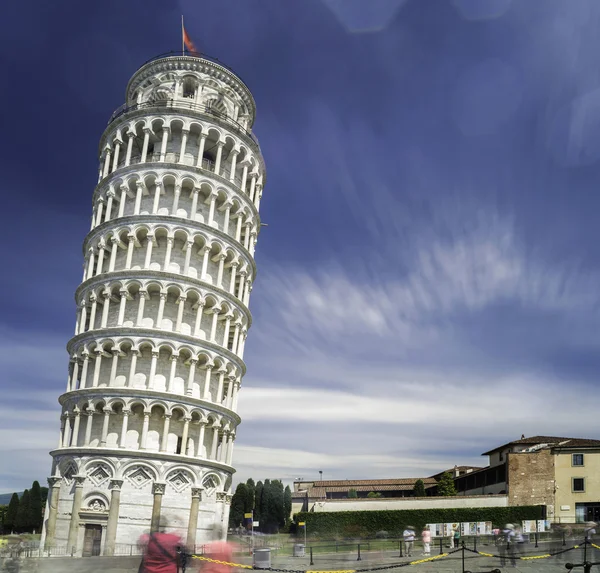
(585, 544)
(311, 559)
(564, 538)
(359, 559)
(475, 543)
(441, 545)
(536, 538)
(400, 542)
(463, 557)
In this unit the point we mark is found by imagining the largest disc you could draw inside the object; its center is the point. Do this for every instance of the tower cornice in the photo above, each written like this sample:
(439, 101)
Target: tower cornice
(184, 63)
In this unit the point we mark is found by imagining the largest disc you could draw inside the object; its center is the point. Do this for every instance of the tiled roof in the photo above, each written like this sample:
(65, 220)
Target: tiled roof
(355, 483)
(551, 440)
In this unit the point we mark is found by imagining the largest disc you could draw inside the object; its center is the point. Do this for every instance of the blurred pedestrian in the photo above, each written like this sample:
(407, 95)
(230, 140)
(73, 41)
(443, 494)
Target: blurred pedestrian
(160, 551)
(426, 538)
(507, 545)
(456, 537)
(409, 539)
(590, 531)
(218, 550)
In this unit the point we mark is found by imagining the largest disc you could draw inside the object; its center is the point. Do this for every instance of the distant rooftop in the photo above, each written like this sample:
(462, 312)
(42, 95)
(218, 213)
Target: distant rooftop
(552, 441)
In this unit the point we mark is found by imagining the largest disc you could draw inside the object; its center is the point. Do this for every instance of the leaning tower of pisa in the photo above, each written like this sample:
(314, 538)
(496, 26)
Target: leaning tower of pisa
(149, 412)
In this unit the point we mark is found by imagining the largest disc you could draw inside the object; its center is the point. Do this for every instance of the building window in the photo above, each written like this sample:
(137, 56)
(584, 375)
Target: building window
(501, 456)
(577, 460)
(578, 484)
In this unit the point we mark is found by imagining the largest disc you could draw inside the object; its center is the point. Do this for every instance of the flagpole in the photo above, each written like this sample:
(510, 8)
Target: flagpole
(182, 38)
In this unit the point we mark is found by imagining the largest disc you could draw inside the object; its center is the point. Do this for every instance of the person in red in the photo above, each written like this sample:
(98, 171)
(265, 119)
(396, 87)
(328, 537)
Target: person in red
(160, 553)
(219, 550)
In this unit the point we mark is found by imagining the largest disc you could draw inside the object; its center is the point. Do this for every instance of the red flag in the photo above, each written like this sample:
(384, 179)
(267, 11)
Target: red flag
(187, 41)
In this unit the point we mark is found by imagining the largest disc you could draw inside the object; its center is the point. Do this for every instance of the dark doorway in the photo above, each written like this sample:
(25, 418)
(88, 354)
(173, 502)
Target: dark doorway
(92, 540)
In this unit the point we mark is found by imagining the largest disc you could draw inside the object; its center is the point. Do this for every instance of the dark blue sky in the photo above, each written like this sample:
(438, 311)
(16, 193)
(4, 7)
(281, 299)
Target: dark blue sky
(430, 265)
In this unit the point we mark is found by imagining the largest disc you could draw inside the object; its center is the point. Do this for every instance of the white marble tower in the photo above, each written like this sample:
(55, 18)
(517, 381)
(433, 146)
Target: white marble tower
(149, 413)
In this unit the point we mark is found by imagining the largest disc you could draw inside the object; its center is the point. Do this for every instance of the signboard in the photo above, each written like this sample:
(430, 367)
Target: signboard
(484, 528)
(529, 526)
(437, 529)
(301, 524)
(466, 528)
(255, 524)
(248, 515)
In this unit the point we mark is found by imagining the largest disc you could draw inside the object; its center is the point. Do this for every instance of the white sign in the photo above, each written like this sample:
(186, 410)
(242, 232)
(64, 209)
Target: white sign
(255, 524)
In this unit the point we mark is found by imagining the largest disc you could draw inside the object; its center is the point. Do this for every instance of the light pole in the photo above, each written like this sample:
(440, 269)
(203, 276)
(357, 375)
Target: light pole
(321, 474)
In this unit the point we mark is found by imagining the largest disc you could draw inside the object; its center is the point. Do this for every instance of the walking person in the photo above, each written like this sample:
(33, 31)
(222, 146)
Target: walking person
(519, 540)
(456, 537)
(426, 539)
(160, 551)
(409, 539)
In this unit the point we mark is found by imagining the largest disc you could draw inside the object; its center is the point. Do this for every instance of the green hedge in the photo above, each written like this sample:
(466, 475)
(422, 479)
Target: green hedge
(366, 523)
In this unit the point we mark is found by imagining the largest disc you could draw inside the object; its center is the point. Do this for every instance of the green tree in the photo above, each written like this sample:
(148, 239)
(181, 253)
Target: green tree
(35, 507)
(278, 512)
(445, 485)
(22, 522)
(257, 500)
(287, 503)
(266, 506)
(250, 497)
(238, 505)
(11, 513)
(419, 489)
(352, 493)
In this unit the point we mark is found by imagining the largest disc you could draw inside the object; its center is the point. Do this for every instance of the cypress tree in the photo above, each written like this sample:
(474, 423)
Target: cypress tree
(35, 517)
(278, 511)
(251, 493)
(265, 506)
(419, 489)
(287, 503)
(257, 501)
(23, 513)
(238, 502)
(445, 485)
(11, 513)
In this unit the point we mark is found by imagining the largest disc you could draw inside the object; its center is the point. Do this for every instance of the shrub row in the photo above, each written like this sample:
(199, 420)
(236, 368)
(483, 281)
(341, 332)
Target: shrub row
(368, 523)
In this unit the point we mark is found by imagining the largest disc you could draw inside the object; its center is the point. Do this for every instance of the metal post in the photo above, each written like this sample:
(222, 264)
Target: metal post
(311, 557)
(400, 547)
(475, 543)
(441, 545)
(359, 559)
(463, 556)
(536, 538)
(585, 544)
(564, 538)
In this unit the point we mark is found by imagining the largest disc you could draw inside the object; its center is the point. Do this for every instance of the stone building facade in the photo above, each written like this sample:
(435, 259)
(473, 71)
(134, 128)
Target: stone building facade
(156, 362)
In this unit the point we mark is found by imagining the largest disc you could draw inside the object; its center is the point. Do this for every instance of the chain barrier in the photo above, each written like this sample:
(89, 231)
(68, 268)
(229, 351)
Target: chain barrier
(509, 555)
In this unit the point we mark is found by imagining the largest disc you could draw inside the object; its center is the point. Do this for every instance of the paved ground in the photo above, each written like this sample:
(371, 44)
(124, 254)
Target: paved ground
(329, 562)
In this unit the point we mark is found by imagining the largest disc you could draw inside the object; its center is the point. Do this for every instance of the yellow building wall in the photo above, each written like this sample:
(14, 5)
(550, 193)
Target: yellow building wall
(565, 472)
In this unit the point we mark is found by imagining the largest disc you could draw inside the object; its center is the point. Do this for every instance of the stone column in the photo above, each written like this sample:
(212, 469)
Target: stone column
(191, 375)
(158, 489)
(132, 367)
(113, 516)
(234, 154)
(184, 136)
(176, 194)
(215, 443)
(184, 435)
(144, 435)
(194, 207)
(199, 313)
(165, 433)
(107, 413)
(193, 521)
(220, 145)
(165, 139)
(211, 209)
(201, 143)
(125, 422)
(74, 525)
(88, 427)
(53, 495)
(200, 444)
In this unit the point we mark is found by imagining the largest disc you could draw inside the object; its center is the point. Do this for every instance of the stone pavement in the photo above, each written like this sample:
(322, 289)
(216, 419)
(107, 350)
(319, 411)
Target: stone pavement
(327, 562)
